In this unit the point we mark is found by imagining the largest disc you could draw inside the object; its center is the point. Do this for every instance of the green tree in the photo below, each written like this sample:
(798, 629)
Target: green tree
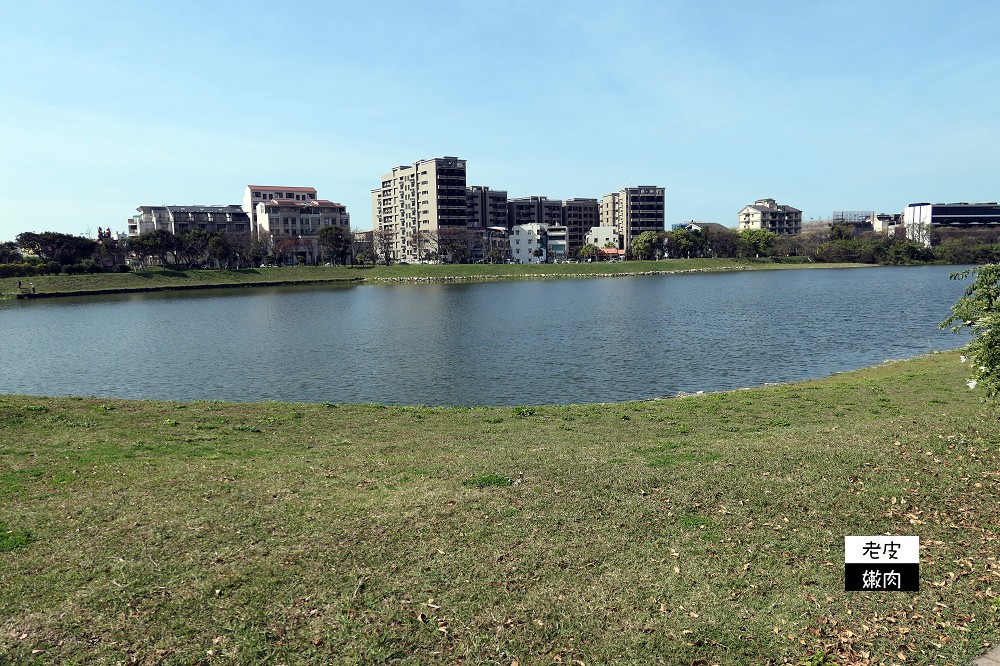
(54, 246)
(365, 256)
(220, 250)
(840, 231)
(979, 312)
(333, 241)
(681, 243)
(9, 253)
(157, 243)
(191, 247)
(645, 245)
(589, 251)
(757, 242)
(721, 242)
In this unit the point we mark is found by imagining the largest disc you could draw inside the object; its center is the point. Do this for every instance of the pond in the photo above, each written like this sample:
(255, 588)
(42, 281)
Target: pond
(500, 343)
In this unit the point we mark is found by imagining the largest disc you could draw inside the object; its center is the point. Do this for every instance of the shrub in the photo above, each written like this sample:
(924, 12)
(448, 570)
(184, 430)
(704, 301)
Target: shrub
(979, 312)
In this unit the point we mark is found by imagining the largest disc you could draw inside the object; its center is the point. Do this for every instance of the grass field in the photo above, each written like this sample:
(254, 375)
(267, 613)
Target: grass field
(699, 530)
(157, 278)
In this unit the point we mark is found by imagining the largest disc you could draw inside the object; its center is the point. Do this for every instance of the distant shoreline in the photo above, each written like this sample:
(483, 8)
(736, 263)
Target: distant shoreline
(157, 279)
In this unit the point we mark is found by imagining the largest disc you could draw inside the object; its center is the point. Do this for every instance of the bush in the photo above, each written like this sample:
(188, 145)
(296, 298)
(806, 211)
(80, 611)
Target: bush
(979, 312)
(21, 270)
(123, 268)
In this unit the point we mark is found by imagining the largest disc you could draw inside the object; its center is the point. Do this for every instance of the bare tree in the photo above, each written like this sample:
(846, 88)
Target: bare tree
(382, 245)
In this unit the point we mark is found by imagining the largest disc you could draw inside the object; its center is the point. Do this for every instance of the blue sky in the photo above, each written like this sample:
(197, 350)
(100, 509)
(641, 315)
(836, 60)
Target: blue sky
(822, 105)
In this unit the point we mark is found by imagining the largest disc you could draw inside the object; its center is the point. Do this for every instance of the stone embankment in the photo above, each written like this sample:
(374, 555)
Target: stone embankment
(542, 276)
(361, 279)
(182, 287)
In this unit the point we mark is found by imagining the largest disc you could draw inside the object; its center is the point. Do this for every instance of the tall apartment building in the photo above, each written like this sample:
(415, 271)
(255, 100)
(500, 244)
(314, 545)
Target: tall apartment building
(771, 216)
(176, 219)
(417, 206)
(633, 210)
(579, 216)
(534, 210)
(255, 194)
(485, 207)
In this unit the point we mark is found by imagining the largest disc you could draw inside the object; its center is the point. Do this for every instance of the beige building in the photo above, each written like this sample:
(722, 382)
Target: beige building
(255, 194)
(287, 218)
(420, 207)
(771, 216)
(602, 237)
(633, 210)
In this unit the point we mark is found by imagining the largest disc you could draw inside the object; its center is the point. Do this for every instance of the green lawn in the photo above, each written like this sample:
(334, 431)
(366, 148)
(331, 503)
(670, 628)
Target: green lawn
(157, 278)
(698, 530)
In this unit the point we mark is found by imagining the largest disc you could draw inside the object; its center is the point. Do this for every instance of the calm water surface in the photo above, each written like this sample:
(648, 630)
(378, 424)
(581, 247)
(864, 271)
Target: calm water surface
(505, 343)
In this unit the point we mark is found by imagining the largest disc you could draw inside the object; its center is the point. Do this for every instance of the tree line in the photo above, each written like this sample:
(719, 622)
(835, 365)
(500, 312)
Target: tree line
(51, 252)
(837, 243)
(54, 252)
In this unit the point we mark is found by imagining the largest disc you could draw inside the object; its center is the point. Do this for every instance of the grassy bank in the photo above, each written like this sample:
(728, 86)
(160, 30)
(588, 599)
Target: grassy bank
(695, 530)
(156, 278)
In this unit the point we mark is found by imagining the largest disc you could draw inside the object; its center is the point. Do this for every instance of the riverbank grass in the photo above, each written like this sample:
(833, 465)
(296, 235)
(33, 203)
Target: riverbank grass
(159, 278)
(698, 530)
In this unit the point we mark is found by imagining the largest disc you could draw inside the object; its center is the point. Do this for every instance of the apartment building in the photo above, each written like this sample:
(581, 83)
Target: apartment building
(485, 207)
(633, 210)
(771, 216)
(291, 217)
(579, 216)
(177, 219)
(529, 243)
(255, 194)
(419, 205)
(534, 210)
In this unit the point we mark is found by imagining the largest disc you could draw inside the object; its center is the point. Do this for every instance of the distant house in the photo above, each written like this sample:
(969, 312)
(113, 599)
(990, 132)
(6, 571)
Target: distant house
(702, 226)
(771, 216)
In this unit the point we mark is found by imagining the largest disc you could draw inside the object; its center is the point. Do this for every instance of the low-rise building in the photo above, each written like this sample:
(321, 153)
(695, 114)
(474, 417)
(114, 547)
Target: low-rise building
(771, 216)
(177, 219)
(255, 194)
(558, 246)
(528, 243)
(886, 223)
(603, 237)
(920, 218)
(294, 224)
